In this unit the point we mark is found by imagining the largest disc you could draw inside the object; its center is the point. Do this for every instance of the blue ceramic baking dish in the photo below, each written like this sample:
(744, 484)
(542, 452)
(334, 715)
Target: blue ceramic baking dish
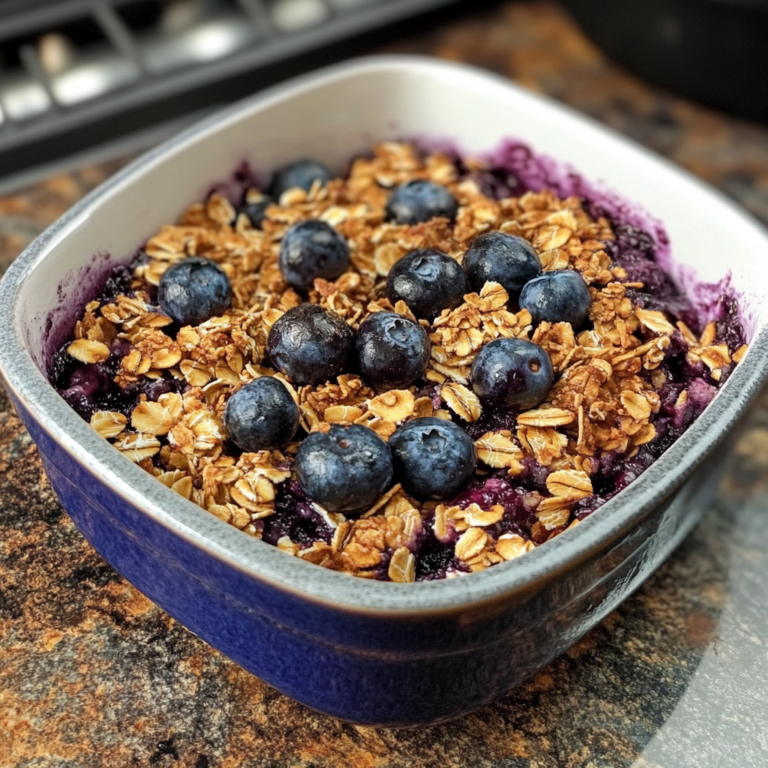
(370, 652)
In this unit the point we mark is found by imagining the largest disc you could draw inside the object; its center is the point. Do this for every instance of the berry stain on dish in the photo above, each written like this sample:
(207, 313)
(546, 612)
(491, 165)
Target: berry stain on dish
(419, 371)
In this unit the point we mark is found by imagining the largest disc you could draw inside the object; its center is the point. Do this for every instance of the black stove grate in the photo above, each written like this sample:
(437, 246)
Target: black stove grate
(77, 73)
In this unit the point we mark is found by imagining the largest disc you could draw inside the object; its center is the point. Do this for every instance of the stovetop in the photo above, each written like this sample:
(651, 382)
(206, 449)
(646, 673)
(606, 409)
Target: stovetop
(75, 74)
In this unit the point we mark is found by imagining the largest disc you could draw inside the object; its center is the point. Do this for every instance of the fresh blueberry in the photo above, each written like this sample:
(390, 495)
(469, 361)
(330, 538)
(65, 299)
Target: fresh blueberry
(512, 373)
(433, 459)
(346, 469)
(194, 290)
(505, 259)
(310, 344)
(392, 351)
(312, 249)
(417, 201)
(302, 174)
(256, 211)
(561, 296)
(428, 281)
(261, 416)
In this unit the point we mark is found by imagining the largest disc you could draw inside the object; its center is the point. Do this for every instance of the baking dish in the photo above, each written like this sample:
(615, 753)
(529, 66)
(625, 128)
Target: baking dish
(373, 653)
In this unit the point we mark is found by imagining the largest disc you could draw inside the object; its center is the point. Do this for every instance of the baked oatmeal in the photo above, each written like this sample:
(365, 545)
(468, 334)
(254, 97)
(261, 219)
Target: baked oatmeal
(417, 371)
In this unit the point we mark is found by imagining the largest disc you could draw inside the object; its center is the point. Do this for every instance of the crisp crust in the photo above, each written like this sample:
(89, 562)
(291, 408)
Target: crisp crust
(605, 395)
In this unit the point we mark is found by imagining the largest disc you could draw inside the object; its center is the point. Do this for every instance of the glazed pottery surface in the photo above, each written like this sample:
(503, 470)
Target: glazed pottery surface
(371, 652)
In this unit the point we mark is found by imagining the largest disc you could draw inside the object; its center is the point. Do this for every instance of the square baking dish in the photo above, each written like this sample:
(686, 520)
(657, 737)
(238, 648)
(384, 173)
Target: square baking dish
(371, 652)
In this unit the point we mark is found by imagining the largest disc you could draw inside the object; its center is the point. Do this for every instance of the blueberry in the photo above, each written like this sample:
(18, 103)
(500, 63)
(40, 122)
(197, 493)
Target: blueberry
(428, 281)
(84, 384)
(310, 344)
(561, 296)
(194, 290)
(433, 459)
(417, 201)
(261, 416)
(346, 469)
(302, 174)
(392, 351)
(512, 373)
(504, 259)
(312, 249)
(256, 211)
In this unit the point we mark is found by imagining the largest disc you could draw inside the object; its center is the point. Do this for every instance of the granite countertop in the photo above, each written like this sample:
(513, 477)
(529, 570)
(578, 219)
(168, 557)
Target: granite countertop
(93, 674)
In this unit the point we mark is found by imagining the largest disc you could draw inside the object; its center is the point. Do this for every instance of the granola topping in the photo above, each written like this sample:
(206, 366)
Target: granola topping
(627, 382)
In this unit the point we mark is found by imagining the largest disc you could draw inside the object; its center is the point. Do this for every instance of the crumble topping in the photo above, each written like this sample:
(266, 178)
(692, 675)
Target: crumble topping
(539, 470)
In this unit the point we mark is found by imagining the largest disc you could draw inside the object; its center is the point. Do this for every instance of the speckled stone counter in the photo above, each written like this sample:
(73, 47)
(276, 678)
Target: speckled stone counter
(93, 674)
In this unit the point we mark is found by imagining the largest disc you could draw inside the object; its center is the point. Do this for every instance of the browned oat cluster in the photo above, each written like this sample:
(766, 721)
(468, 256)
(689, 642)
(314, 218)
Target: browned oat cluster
(607, 379)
